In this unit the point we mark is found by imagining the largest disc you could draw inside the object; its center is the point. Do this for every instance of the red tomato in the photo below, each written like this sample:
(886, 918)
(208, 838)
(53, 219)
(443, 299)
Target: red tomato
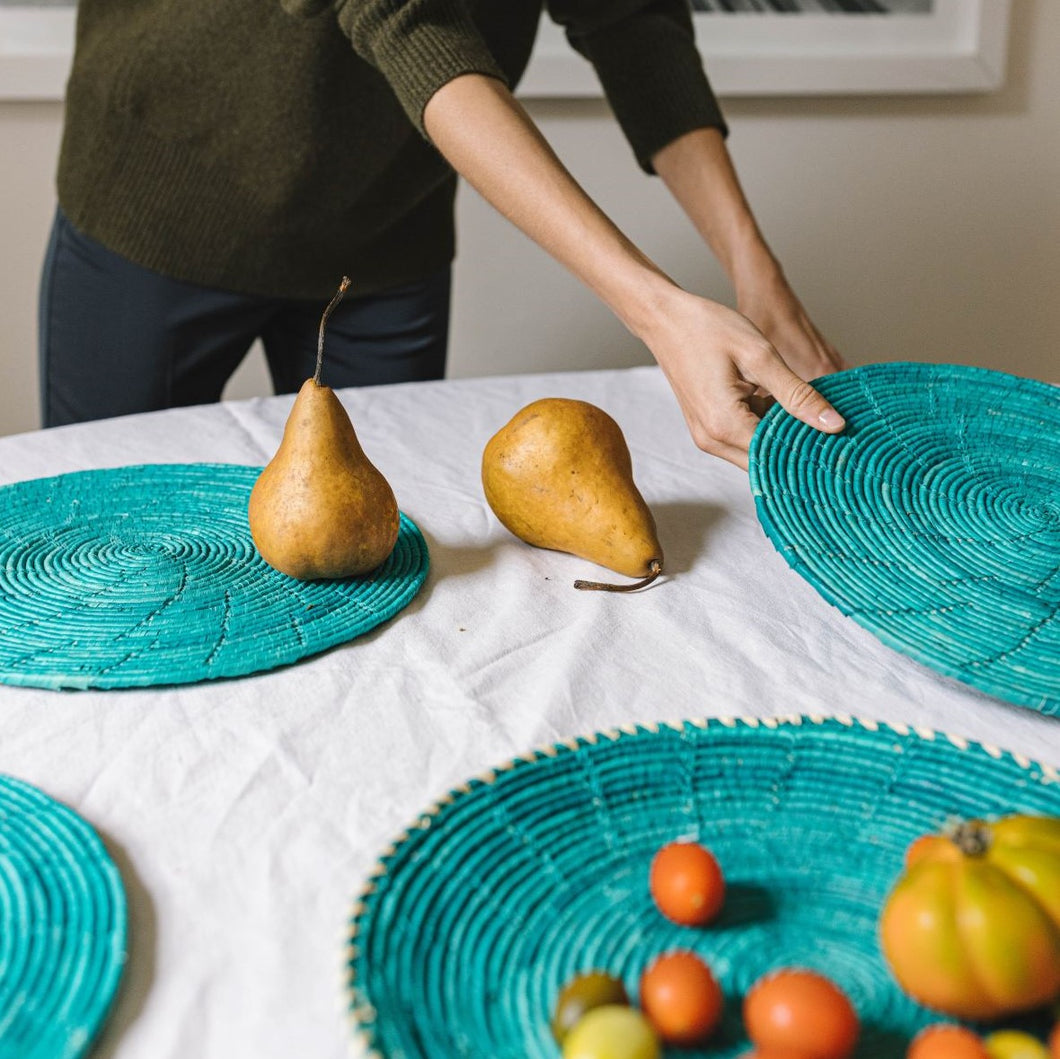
(945, 1040)
(681, 998)
(802, 1011)
(773, 1053)
(687, 884)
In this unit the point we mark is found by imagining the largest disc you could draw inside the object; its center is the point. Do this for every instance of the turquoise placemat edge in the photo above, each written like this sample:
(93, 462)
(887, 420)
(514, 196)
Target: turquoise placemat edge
(1043, 704)
(59, 1040)
(361, 1013)
(411, 550)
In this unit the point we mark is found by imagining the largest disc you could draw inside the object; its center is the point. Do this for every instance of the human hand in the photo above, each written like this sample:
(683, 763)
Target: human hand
(724, 372)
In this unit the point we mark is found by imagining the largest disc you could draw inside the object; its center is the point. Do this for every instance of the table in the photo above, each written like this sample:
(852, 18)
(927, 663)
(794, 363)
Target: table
(245, 814)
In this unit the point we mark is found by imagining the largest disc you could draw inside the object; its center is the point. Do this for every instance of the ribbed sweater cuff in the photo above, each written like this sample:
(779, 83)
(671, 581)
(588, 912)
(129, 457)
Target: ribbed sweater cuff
(419, 48)
(654, 80)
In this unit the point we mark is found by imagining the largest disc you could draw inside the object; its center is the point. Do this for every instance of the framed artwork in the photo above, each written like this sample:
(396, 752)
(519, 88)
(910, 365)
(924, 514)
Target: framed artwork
(750, 47)
(792, 47)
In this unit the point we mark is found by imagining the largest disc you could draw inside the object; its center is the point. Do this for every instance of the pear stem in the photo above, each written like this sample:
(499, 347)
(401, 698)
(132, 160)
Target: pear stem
(601, 586)
(323, 321)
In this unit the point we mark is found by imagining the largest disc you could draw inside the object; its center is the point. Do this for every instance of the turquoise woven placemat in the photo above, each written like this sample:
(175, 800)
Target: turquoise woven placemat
(933, 520)
(62, 927)
(148, 575)
(499, 894)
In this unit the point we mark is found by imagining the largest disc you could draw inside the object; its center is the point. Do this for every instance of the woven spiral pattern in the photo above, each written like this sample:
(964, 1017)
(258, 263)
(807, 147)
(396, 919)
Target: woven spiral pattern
(148, 575)
(62, 927)
(504, 891)
(933, 520)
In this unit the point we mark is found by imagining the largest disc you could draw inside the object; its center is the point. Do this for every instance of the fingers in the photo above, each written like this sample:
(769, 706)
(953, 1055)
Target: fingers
(797, 396)
(726, 372)
(727, 429)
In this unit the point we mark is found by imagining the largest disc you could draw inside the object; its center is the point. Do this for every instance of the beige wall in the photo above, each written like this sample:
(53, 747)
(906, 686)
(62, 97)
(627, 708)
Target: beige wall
(912, 227)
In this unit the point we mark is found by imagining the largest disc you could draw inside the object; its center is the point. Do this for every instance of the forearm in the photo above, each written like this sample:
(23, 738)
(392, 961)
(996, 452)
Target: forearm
(487, 137)
(700, 175)
(715, 359)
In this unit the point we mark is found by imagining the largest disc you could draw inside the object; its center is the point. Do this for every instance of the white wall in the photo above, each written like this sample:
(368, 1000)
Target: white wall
(911, 227)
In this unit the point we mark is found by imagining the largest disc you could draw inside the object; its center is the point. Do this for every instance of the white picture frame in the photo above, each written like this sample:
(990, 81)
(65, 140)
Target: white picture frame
(960, 46)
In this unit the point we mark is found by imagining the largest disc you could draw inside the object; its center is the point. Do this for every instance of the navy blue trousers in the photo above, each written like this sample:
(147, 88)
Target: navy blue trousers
(117, 338)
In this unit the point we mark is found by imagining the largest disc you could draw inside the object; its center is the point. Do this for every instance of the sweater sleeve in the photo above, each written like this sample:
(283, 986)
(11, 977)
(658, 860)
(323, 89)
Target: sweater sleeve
(645, 56)
(417, 45)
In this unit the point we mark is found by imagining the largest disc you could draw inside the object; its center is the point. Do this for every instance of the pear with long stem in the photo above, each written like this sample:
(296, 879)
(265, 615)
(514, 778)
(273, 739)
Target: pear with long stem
(559, 475)
(320, 508)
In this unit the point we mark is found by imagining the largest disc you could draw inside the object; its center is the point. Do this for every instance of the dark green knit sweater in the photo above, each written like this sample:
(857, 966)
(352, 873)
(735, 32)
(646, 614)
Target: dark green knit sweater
(272, 146)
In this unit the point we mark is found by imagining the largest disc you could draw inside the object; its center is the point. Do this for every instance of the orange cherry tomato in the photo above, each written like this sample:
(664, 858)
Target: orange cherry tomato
(1054, 1042)
(944, 1040)
(687, 884)
(773, 1053)
(681, 998)
(802, 1011)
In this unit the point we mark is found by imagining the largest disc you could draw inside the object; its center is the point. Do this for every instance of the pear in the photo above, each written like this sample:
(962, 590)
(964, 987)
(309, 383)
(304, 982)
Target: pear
(320, 508)
(559, 476)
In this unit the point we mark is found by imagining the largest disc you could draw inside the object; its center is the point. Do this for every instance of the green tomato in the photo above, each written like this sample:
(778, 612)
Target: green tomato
(1012, 1044)
(580, 995)
(612, 1032)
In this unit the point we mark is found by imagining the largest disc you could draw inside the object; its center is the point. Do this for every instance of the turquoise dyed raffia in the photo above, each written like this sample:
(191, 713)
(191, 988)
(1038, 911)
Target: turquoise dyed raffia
(62, 927)
(498, 895)
(148, 575)
(933, 520)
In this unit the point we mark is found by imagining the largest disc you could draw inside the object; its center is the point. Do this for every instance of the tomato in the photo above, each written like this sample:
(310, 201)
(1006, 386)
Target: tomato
(802, 1011)
(773, 1053)
(681, 998)
(944, 1040)
(938, 846)
(1054, 1042)
(687, 884)
(580, 995)
(612, 1032)
(1012, 1044)
(972, 927)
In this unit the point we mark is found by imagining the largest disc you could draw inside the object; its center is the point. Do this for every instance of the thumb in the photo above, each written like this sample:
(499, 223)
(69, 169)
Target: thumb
(799, 398)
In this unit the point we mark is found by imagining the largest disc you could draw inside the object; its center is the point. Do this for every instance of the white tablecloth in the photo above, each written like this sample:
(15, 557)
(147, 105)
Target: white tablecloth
(245, 814)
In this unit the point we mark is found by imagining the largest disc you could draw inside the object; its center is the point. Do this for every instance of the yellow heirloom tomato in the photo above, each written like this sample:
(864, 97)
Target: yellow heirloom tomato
(972, 927)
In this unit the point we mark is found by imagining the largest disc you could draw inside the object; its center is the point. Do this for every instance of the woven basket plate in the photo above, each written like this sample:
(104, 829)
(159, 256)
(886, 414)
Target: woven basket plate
(515, 883)
(62, 927)
(933, 520)
(148, 575)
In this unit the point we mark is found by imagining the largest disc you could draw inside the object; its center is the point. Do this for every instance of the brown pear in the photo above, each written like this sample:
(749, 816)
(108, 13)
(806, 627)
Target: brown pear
(320, 508)
(559, 476)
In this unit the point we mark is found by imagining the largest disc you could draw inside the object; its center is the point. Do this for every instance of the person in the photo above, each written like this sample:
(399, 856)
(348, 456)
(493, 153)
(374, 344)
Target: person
(222, 165)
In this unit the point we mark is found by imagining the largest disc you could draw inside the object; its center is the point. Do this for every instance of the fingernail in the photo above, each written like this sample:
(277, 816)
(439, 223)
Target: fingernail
(832, 420)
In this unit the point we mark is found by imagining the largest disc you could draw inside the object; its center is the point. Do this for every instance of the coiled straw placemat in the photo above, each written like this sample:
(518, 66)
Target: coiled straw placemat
(62, 927)
(148, 575)
(933, 520)
(503, 891)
